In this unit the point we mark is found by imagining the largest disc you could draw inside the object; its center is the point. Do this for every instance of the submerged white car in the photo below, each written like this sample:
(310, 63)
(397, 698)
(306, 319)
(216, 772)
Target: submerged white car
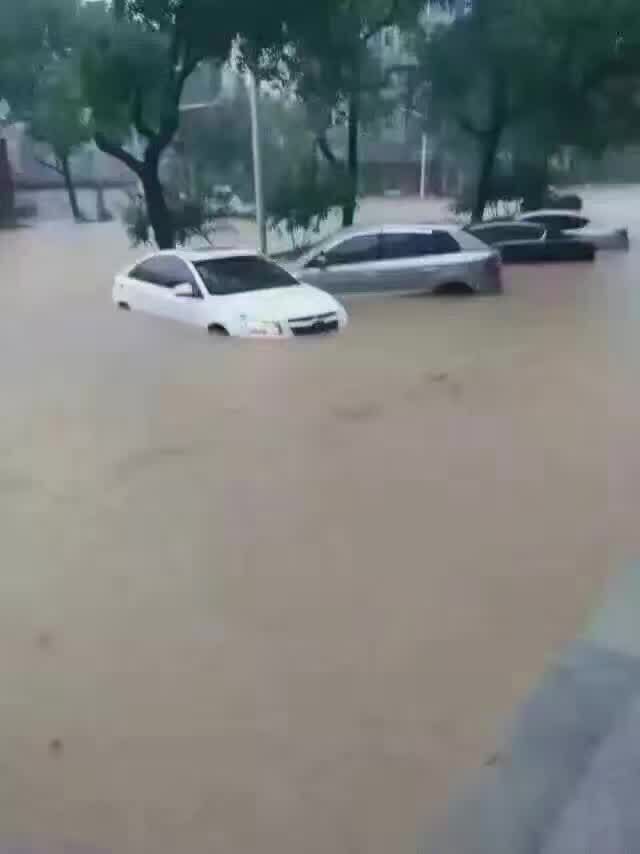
(228, 293)
(572, 224)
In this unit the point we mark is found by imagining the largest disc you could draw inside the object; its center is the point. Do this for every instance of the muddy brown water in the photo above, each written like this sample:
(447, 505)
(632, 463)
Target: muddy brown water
(278, 598)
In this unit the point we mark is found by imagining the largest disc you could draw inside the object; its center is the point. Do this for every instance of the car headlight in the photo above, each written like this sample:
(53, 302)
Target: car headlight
(264, 328)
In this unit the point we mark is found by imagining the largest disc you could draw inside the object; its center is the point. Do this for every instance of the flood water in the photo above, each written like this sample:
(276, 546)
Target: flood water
(278, 597)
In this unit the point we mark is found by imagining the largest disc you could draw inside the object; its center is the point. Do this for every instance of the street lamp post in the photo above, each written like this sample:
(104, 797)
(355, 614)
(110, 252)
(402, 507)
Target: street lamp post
(423, 166)
(257, 162)
(257, 156)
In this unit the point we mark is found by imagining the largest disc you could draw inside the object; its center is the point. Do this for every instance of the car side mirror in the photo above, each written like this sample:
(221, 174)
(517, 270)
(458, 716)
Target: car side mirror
(321, 262)
(183, 290)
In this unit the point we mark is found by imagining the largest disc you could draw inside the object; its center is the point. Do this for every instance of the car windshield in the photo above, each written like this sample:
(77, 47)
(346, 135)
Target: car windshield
(241, 274)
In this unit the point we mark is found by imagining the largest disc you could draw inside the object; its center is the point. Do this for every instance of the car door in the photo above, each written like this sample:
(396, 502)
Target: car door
(185, 307)
(145, 287)
(419, 261)
(151, 289)
(522, 232)
(348, 266)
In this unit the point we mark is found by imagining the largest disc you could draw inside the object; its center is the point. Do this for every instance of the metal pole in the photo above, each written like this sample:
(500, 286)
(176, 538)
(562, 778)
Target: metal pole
(423, 166)
(257, 162)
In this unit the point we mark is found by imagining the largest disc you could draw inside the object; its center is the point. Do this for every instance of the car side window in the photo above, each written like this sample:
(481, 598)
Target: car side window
(576, 222)
(166, 271)
(355, 250)
(148, 272)
(490, 235)
(522, 232)
(417, 244)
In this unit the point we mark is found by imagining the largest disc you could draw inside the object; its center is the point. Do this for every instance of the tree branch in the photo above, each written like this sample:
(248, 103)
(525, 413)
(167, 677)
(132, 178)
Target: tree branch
(325, 149)
(114, 150)
(171, 120)
(469, 127)
(53, 166)
(384, 22)
(189, 66)
(136, 114)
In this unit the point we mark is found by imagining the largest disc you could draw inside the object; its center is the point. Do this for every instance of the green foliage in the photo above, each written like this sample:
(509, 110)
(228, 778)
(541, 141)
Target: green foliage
(192, 217)
(534, 75)
(31, 32)
(303, 200)
(337, 72)
(127, 74)
(216, 142)
(137, 60)
(59, 115)
(509, 191)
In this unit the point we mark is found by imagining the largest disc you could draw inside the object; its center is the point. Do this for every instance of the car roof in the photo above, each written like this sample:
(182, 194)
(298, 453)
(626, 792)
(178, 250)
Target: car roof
(392, 228)
(498, 223)
(552, 212)
(196, 255)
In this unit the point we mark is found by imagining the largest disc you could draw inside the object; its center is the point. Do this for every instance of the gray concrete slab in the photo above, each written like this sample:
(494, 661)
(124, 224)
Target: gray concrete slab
(562, 760)
(604, 814)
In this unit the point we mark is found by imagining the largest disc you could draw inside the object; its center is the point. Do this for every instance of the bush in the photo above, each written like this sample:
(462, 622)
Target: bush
(524, 190)
(192, 217)
(304, 199)
(504, 198)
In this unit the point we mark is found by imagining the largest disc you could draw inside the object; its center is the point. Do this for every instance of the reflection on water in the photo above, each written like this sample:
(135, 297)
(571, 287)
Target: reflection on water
(290, 590)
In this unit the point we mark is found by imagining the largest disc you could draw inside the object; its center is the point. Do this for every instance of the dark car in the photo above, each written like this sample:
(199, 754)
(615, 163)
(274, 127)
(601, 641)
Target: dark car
(525, 243)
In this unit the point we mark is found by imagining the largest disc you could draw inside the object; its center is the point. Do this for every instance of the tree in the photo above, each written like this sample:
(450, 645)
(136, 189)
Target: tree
(533, 75)
(31, 31)
(136, 67)
(134, 73)
(335, 69)
(59, 119)
(479, 71)
(594, 55)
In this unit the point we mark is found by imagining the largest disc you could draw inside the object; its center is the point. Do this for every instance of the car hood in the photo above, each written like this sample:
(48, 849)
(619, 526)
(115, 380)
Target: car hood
(283, 303)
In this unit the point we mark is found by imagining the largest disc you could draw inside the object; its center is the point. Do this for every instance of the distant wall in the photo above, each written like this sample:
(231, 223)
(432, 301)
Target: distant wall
(89, 165)
(619, 167)
(52, 205)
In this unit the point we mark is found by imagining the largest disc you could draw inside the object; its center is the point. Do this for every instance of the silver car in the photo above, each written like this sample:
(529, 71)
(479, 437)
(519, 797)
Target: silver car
(402, 259)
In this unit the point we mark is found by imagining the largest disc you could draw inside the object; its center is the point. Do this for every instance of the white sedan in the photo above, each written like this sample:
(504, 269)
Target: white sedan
(572, 224)
(228, 293)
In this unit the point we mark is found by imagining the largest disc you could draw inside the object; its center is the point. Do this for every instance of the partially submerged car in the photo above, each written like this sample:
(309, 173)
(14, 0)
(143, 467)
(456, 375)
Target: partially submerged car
(228, 293)
(525, 243)
(402, 259)
(571, 224)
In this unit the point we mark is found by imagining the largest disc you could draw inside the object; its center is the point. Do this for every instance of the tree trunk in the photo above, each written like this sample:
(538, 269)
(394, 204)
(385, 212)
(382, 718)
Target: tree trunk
(7, 190)
(157, 208)
(147, 171)
(102, 211)
(353, 161)
(483, 190)
(490, 144)
(71, 190)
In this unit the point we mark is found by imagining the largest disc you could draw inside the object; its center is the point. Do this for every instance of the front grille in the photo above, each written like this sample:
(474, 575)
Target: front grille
(320, 327)
(311, 317)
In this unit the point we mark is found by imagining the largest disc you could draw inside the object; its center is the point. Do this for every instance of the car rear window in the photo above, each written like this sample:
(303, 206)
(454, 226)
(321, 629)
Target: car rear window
(355, 250)
(559, 222)
(244, 273)
(505, 233)
(469, 242)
